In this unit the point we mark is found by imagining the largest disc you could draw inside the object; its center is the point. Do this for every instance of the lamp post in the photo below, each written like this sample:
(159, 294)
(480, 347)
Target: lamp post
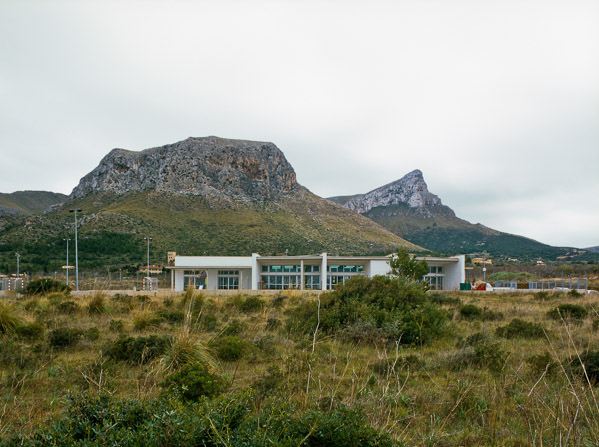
(67, 259)
(76, 250)
(148, 239)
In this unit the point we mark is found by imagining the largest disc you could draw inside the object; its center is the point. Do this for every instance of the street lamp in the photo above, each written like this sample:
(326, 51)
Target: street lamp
(148, 239)
(76, 250)
(67, 267)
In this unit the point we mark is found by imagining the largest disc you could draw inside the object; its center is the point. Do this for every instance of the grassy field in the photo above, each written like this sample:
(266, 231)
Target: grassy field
(502, 370)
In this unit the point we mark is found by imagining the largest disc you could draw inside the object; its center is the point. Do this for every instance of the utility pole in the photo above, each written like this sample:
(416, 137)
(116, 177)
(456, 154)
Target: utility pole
(76, 250)
(67, 260)
(148, 239)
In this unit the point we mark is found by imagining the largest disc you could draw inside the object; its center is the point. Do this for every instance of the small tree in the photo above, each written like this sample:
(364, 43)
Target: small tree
(407, 267)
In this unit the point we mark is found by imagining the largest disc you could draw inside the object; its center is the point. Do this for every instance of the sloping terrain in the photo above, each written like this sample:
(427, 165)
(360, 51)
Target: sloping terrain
(406, 208)
(202, 196)
(28, 202)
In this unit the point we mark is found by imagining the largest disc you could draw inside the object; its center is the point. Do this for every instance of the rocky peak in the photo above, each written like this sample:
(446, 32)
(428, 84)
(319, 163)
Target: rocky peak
(410, 189)
(239, 169)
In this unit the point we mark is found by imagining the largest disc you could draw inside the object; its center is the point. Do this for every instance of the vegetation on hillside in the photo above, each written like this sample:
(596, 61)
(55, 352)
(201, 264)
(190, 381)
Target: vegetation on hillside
(374, 362)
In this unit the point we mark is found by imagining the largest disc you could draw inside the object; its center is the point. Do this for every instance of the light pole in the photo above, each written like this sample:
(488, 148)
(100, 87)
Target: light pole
(76, 250)
(18, 257)
(67, 259)
(148, 239)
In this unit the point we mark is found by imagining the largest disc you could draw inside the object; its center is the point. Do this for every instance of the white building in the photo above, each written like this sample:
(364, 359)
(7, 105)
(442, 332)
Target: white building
(310, 272)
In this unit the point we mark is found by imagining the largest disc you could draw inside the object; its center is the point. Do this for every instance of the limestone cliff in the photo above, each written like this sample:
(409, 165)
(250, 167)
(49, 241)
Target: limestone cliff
(210, 166)
(410, 190)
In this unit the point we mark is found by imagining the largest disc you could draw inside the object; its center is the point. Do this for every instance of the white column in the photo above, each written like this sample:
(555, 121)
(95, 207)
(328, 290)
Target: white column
(255, 277)
(302, 281)
(324, 276)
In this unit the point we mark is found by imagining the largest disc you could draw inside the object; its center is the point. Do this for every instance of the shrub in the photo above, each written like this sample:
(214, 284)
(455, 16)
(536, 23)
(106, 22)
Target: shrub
(490, 315)
(209, 322)
(569, 312)
(97, 305)
(92, 333)
(518, 328)
(171, 316)
(184, 349)
(541, 362)
(542, 295)
(273, 324)
(470, 312)
(236, 327)
(266, 343)
(63, 337)
(590, 360)
(251, 304)
(595, 325)
(231, 419)
(574, 293)
(9, 319)
(116, 325)
(193, 381)
(400, 309)
(30, 331)
(479, 350)
(228, 348)
(442, 298)
(145, 320)
(138, 350)
(67, 307)
(43, 286)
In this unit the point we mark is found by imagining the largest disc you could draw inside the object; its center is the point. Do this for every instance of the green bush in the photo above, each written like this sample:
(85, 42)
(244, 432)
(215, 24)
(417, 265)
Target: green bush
(138, 350)
(590, 360)
(171, 316)
(193, 381)
(92, 333)
(542, 295)
(398, 309)
(9, 319)
(30, 331)
(229, 348)
(574, 293)
(209, 322)
(541, 362)
(67, 307)
(479, 350)
(232, 419)
(63, 337)
(518, 328)
(116, 325)
(273, 324)
(470, 312)
(251, 304)
(234, 328)
(44, 286)
(443, 299)
(568, 312)
(97, 305)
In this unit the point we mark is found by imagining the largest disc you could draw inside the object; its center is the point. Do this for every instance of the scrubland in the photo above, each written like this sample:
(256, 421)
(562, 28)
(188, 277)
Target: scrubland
(373, 363)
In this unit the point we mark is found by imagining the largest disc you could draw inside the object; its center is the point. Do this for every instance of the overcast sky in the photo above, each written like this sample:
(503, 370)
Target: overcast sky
(497, 102)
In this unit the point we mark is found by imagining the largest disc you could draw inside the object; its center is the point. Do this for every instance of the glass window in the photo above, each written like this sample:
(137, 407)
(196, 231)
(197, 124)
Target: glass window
(228, 279)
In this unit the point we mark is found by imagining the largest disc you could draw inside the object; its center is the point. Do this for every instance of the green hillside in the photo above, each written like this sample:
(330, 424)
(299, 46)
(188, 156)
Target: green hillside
(112, 229)
(28, 202)
(451, 235)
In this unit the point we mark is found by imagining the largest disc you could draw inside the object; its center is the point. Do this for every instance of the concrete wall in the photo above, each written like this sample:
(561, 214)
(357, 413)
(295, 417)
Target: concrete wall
(379, 268)
(455, 273)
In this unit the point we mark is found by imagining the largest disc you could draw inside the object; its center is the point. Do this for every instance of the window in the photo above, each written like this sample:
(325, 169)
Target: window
(280, 282)
(345, 268)
(228, 279)
(281, 268)
(312, 282)
(311, 268)
(194, 278)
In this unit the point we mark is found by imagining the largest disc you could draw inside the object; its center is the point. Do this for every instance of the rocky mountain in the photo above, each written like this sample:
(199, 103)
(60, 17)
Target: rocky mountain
(28, 202)
(201, 196)
(211, 167)
(407, 208)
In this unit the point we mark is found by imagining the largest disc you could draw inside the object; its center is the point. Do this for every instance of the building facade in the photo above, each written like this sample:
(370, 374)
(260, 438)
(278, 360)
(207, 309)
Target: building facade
(310, 272)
